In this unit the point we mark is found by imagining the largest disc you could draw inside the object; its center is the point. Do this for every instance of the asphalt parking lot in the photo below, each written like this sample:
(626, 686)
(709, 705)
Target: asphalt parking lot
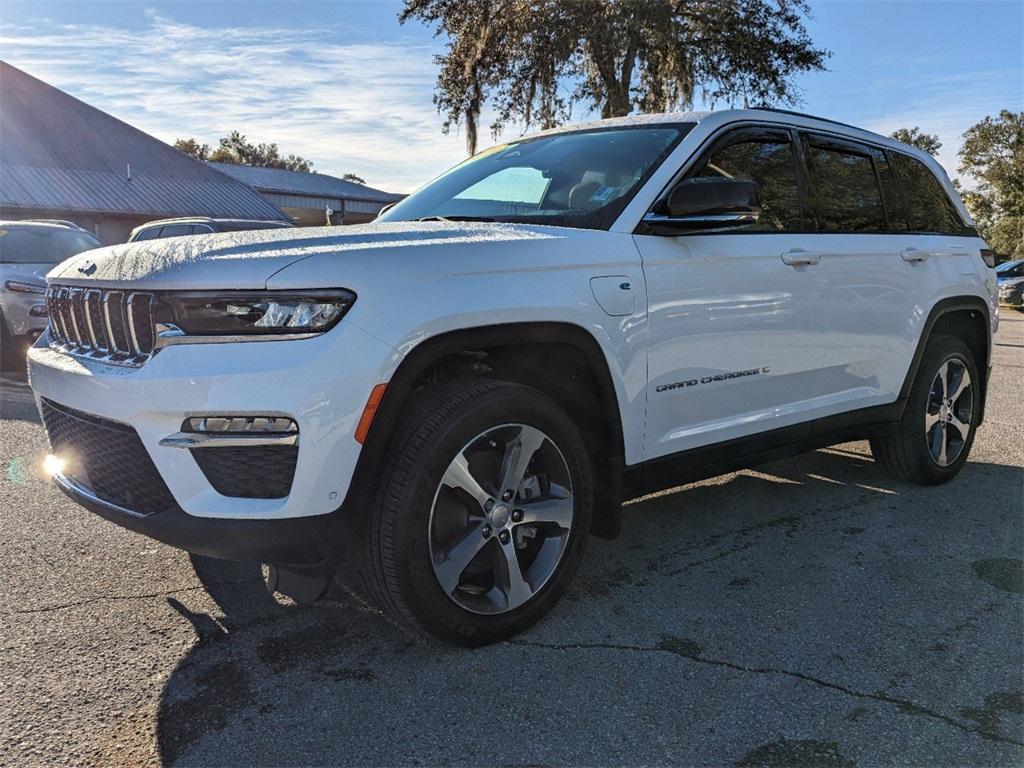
(812, 612)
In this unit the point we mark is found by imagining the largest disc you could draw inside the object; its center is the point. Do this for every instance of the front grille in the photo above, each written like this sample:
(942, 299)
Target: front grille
(106, 324)
(106, 457)
(257, 472)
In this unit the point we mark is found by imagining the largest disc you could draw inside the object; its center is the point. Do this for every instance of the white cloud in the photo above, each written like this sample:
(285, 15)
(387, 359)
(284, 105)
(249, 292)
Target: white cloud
(359, 107)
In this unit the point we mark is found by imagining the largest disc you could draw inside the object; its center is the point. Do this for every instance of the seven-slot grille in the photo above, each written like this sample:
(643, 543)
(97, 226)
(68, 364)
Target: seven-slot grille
(108, 324)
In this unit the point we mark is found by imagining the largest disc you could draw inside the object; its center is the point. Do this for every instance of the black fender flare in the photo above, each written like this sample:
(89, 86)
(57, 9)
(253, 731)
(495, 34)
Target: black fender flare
(944, 307)
(609, 461)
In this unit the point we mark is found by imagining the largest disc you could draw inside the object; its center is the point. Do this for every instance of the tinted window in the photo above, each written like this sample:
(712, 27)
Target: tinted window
(929, 209)
(771, 164)
(42, 245)
(203, 229)
(846, 193)
(146, 234)
(894, 205)
(176, 230)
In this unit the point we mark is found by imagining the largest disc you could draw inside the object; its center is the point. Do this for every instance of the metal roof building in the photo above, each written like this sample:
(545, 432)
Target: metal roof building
(61, 158)
(307, 197)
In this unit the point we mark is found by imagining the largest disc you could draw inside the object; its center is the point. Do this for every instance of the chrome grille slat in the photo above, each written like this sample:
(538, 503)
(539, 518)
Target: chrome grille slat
(110, 325)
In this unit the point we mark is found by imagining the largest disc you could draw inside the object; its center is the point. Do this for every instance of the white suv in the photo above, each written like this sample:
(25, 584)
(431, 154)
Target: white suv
(447, 402)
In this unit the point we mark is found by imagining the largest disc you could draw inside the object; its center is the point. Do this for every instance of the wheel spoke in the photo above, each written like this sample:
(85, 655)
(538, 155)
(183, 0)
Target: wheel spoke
(449, 570)
(943, 444)
(554, 510)
(930, 420)
(518, 452)
(960, 426)
(943, 377)
(965, 382)
(458, 476)
(510, 579)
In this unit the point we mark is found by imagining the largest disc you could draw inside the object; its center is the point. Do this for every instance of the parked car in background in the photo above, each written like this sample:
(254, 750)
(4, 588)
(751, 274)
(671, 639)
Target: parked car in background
(445, 404)
(1009, 270)
(28, 250)
(199, 225)
(1011, 293)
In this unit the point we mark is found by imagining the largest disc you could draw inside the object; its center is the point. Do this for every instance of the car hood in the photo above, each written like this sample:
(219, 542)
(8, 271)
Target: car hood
(247, 260)
(1011, 281)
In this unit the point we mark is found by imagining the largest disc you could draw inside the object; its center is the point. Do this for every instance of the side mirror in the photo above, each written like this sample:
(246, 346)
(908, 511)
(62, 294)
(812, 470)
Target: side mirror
(707, 203)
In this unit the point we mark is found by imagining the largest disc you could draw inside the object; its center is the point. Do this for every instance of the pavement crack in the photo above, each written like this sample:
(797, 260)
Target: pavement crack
(117, 598)
(688, 649)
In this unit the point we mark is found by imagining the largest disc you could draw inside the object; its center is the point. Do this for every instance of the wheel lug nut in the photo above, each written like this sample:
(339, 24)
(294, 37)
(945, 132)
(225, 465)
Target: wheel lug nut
(487, 531)
(507, 495)
(504, 537)
(517, 515)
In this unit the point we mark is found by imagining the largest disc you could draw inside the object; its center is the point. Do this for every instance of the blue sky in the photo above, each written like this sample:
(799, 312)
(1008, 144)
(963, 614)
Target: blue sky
(343, 84)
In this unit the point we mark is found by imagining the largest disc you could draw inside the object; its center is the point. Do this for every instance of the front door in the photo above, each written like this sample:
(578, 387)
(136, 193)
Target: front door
(737, 340)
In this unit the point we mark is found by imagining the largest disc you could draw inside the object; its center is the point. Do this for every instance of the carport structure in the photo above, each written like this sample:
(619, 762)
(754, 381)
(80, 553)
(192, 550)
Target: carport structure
(312, 199)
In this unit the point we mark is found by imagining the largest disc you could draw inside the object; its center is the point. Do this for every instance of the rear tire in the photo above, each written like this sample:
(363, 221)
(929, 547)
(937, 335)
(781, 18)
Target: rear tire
(448, 547)
(932, 441)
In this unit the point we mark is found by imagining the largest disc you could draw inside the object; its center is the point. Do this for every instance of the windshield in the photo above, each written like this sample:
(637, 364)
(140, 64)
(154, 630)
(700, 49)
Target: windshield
(580, 179)
(1011, 269)
(42, 245)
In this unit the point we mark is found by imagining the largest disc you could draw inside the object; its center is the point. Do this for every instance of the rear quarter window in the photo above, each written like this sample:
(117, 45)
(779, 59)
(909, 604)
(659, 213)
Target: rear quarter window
(928, 207)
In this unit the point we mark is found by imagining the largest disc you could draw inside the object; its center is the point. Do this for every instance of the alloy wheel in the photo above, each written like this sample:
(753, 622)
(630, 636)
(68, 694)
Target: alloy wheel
(501, 519)
(947, 421)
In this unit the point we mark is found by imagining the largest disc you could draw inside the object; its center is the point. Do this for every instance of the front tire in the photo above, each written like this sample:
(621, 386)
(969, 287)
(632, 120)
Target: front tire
(932, 441)
(481, 514)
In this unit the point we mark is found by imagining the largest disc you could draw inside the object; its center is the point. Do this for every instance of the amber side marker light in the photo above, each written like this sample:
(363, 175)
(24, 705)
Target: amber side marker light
(363, 428)
(989, 257)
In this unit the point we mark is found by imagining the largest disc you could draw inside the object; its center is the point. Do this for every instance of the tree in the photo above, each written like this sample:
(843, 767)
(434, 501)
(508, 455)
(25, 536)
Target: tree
(927, 142)
(193, 149)
(237, 150)
(352, 177)
(993, 156)
(533, 59)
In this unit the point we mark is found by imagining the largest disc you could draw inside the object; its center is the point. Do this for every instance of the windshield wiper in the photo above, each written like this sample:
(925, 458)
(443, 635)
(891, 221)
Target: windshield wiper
(455, 218)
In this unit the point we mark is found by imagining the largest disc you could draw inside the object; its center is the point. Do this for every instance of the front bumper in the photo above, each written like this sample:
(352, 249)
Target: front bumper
(304, 541)
(321, 383)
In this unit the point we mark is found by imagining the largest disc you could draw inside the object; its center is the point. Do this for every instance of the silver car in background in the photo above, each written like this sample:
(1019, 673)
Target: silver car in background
(28, 250)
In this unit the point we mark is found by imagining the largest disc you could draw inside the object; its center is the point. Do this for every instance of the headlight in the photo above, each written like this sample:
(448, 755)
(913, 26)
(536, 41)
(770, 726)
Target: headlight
(20, 287)
(253, 313)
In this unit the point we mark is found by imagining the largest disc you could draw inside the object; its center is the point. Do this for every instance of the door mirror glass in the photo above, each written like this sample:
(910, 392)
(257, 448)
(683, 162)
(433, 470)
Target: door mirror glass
(710, 203)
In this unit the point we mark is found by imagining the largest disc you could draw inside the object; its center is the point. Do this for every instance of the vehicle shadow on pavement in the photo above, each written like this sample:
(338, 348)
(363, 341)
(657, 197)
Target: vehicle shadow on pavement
(814, 596)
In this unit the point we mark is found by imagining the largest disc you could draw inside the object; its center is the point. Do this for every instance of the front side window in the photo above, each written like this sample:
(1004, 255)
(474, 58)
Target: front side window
(769, 161)
(929, 208)
(580, 179)
(847, 197)
(42, 245)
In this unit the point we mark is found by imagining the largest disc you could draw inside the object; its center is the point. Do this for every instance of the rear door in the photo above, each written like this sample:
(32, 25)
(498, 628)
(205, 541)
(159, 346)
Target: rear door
(869, 267)
(737, 335)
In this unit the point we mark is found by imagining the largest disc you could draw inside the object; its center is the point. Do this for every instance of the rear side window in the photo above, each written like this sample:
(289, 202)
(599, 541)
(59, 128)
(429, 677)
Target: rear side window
(847, 197)
(929, 208)
(768, 160)
(42, 245)
(176, 230)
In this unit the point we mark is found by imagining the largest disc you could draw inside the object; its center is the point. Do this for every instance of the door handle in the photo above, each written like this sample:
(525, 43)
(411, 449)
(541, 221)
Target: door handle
(914, 254)
(798, 257)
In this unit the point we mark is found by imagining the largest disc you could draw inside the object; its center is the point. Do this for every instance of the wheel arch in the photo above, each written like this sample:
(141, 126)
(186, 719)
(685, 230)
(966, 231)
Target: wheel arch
(968, 318)
(513, 349)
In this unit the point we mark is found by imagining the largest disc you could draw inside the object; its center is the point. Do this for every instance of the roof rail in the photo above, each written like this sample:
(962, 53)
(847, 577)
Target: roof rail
(810, 117)
(57, 222)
